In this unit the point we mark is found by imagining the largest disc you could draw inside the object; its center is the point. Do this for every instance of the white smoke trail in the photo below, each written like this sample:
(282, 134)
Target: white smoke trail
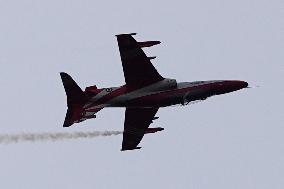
(37, 137)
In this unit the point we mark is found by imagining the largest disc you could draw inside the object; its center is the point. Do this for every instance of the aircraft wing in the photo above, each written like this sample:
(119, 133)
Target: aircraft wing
(136, 122)
(137, 67)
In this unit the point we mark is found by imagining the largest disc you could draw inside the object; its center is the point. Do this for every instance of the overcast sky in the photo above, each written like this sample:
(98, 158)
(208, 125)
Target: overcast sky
(231, 141)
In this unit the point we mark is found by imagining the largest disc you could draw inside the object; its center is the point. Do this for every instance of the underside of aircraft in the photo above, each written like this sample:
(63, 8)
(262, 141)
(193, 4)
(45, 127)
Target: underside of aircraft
(144, 92)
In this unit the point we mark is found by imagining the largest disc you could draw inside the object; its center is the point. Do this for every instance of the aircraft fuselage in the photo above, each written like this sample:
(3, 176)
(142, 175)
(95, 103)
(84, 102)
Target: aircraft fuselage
(161, 94)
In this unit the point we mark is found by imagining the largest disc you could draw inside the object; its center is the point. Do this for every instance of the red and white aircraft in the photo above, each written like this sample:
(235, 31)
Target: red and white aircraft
(143, 93)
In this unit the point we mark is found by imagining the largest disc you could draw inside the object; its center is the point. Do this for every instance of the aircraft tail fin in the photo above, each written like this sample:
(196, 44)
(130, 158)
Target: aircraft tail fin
(74, 93)
(75, 99)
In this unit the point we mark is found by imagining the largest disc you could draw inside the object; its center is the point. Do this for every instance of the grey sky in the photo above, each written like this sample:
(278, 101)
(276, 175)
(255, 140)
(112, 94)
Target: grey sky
(231, 141)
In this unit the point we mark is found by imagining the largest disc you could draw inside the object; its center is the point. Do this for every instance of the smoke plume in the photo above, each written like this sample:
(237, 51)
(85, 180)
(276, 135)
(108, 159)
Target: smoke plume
(38, 137)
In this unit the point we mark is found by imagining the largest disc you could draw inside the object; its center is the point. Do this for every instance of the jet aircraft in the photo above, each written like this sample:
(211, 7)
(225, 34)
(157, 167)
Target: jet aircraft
(144, 92)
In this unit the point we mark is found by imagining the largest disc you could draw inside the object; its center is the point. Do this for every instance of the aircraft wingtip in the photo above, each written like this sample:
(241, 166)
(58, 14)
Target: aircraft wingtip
(125, 149)
(125, 34)
(63, 73)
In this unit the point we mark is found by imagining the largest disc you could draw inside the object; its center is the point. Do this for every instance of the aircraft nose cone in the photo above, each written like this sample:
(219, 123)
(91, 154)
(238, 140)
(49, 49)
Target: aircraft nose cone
(237, 85)
(230, 86)
(242, 84)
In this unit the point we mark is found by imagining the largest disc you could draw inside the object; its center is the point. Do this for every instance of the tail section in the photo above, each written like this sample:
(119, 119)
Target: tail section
(75, 100)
